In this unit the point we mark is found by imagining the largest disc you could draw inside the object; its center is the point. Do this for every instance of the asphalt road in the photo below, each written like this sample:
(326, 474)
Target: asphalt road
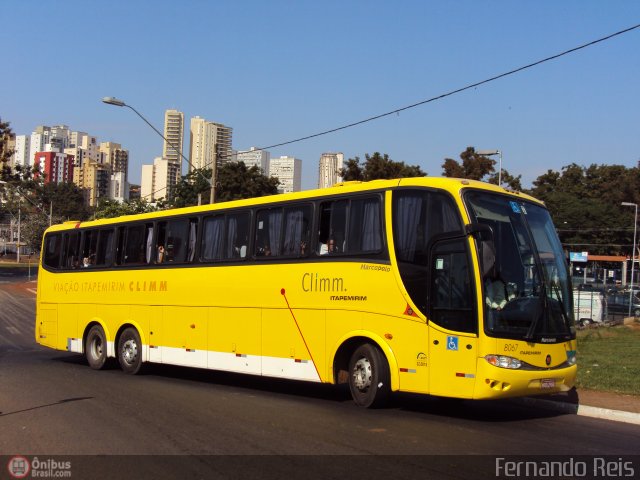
(52, 403)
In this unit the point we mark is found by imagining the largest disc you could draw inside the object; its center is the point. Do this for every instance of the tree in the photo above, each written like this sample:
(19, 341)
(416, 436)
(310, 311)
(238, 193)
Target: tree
(112, 208)
(585, 205)
(5, 152)
(236, 181)
(194, 183)
(473, 167)
(378, 166)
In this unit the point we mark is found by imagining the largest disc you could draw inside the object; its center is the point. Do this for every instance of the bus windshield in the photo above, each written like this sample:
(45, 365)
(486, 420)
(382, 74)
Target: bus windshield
(527, 289)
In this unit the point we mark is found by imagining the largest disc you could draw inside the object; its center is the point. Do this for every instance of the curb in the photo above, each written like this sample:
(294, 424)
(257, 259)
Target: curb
(584, 410)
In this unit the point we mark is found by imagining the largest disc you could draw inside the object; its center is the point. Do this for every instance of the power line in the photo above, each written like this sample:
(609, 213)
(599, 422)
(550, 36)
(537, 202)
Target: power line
(453, 92)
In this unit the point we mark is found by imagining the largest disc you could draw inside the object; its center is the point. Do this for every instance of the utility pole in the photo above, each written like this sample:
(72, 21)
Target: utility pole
(18, 244)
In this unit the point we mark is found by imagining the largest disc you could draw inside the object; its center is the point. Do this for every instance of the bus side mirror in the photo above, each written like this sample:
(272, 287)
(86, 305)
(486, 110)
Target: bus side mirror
(484, 235)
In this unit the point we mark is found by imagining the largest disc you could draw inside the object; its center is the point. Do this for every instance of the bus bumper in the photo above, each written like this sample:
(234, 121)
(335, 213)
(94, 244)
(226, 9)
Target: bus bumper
(495, 382)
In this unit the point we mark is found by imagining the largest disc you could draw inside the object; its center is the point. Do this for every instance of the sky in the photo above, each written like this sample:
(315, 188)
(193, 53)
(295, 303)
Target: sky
(279, 70)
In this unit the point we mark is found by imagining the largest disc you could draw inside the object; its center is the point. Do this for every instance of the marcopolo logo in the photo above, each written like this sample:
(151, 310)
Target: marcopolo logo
(20, 467)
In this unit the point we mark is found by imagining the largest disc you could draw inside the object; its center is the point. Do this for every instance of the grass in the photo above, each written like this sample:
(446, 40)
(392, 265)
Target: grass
(609, 359)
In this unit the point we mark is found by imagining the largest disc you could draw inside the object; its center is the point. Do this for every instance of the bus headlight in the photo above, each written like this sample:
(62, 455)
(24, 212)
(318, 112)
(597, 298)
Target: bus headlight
(571, 357)
(503, 361)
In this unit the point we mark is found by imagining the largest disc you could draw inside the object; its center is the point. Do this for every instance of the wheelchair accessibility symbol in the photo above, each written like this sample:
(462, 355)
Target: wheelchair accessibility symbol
(452, 343)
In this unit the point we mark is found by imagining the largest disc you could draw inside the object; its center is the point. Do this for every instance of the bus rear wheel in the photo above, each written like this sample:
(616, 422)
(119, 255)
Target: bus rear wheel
(95, 348)
(130, 351)
(369, 377)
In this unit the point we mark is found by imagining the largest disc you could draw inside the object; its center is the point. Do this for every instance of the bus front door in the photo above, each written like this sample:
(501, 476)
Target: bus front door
(453, 343)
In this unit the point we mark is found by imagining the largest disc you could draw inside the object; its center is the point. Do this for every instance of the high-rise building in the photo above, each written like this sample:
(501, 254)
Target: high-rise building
(329, 172)
(159, 180)
(21, 156)
(116, 159)
(94, 179)
(202, 144)
(210, 144)
(174, 133)
(55, 166)
(254, 156)
(289, 172)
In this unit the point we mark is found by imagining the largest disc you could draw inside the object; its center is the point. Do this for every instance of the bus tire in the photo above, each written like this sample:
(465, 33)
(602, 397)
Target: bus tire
(369, 377)
(130, 351)
(95, 348)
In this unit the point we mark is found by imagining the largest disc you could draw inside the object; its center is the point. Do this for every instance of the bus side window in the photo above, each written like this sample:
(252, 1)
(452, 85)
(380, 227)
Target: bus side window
(52, 250)
(332, 227)
(212, 247)
(104, 252)
(268, 232)
(296, 231)
(365, 226)
(89, 247)
(237, 235)
(138, 244)
(72, 251)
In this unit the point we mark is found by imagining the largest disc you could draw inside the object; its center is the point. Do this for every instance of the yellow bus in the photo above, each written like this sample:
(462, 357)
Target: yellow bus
(438, 286)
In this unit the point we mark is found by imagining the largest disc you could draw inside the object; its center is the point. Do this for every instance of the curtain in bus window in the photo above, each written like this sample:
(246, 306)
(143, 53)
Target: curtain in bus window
(364, 226)
(213, 238)
(443, 216)
(177, 234)
(275, 224)
(149, 244)
(407, 218)
(192, 239)
(293, 232)
(232, 234)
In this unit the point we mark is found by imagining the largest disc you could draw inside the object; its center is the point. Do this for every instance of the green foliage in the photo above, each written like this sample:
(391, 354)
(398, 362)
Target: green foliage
(378, 166)
(236, 181)
(585, 205)
(5, 151)
(112, 208)
(194, 183)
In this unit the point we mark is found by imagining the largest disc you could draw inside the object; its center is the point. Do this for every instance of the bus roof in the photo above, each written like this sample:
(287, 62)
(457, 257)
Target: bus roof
(452, 185)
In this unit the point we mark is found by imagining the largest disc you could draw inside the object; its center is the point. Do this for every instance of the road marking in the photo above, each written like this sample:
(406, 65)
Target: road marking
(13, 330)
(32, 290)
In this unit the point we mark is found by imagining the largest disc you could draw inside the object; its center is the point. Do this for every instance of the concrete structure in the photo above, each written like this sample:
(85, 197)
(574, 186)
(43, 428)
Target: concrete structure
(118, 187)
(202, 144)
(94, 179)
(159, 179)
(254, 156)
(55, 166)
(21, 156)
(289, 172)
(174, 133)
(330, 166)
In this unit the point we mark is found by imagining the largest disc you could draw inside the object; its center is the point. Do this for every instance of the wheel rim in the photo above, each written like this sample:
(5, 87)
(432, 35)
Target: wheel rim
(362, 374)
(96, 348)
(130, 351)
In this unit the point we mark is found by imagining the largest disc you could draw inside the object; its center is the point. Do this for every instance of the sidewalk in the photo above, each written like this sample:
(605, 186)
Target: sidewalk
(590, 403)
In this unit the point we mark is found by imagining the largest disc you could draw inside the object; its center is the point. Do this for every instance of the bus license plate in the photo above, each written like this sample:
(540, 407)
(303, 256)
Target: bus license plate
(546, 383)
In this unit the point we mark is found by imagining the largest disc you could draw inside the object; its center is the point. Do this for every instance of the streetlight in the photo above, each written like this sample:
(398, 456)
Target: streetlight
(488, 153)
(633, 249)
(119, 103)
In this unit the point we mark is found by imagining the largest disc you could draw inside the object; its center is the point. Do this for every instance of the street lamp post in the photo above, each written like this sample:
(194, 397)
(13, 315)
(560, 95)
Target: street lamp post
(119, 103)
(489, 153)
(633, 249)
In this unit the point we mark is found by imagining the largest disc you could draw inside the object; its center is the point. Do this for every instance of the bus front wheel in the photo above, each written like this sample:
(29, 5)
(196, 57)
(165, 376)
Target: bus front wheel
(95, 348)
(369, 377)
(130, 351)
